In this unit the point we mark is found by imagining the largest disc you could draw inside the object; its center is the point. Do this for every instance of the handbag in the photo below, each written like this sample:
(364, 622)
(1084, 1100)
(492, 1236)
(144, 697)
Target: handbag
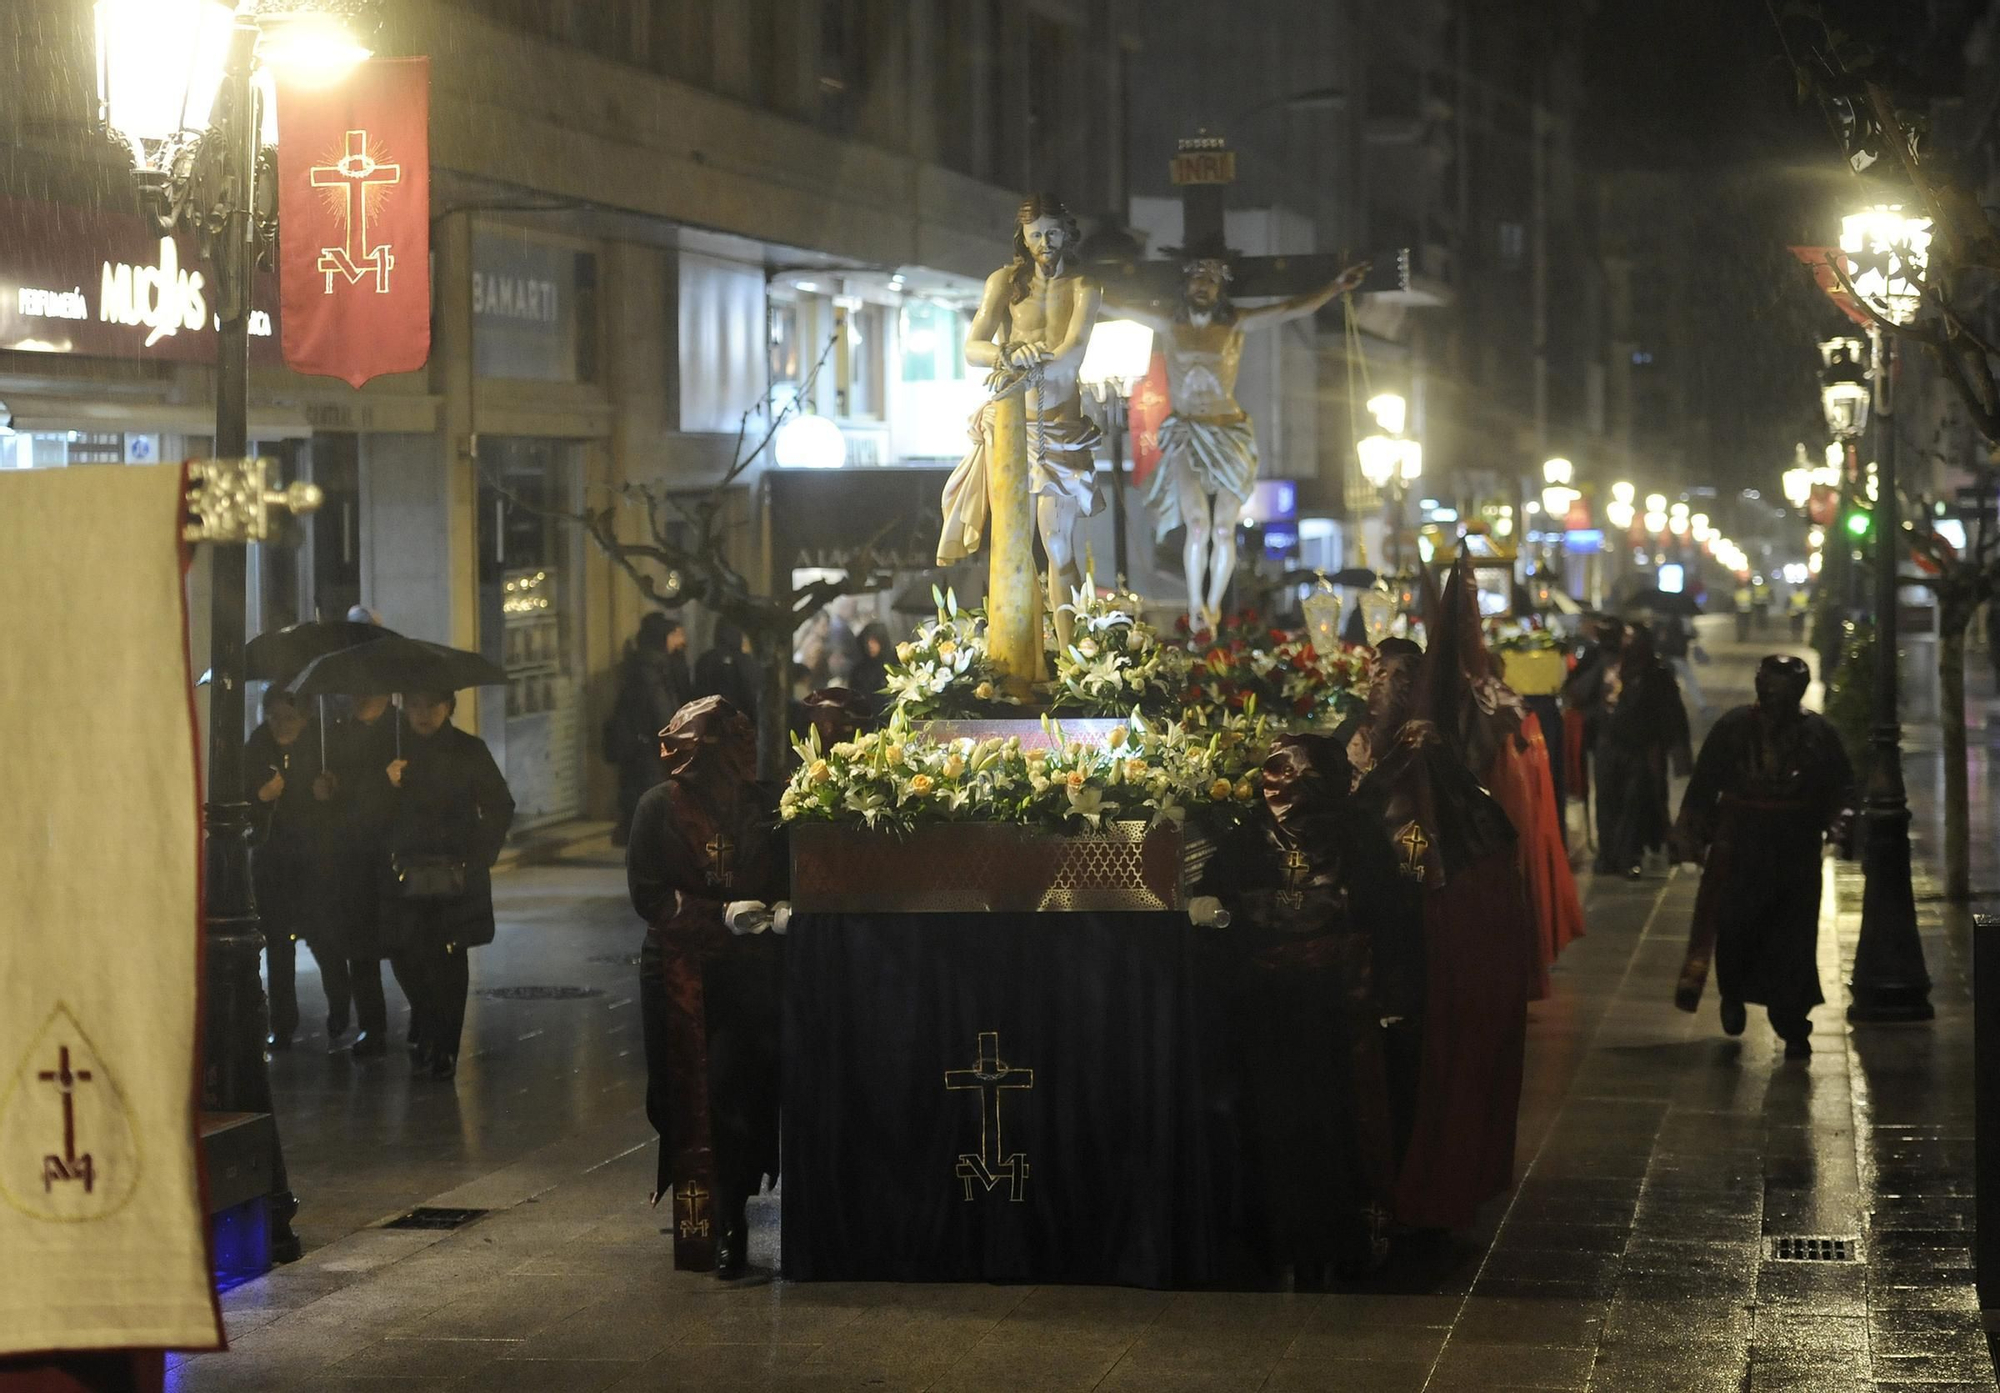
(426, 877)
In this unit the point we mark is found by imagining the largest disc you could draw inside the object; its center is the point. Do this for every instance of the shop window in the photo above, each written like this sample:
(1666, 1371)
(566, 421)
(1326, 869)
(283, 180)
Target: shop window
(784, 366)
(335, 529)
(57, 449)
(933, 342)
(857, 354)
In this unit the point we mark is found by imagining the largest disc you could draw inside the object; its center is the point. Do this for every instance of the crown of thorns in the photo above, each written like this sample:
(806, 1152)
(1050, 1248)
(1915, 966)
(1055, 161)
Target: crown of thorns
(1214, 265)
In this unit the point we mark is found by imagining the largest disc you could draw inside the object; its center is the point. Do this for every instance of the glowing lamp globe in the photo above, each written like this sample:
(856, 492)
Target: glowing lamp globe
(1557, 471)
(1120, 353)
(159, 64)
(1623, 492)
(1390, 411)
(1798, 484)
(1410, 460)
(1887, 253)
(1381, 458)
(810, 442)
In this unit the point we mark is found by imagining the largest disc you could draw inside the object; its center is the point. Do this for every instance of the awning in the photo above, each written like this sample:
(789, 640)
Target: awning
(36, 412)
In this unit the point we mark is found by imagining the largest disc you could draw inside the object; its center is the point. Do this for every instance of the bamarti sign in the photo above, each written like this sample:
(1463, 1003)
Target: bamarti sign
(354, 202)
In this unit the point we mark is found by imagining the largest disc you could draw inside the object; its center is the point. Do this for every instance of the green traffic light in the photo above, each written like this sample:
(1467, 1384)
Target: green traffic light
(1858, 523)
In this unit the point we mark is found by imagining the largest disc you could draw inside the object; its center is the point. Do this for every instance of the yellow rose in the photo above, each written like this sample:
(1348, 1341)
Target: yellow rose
(1219, 790)
(1088, 648)
(820, 772)
(984, 691)
(1076, 778)
(954, 767)
(1135, 769)
(1118, 735)
(947, 648)
(1244, 792)
(893, 753)
(904, 652)
(921, 784)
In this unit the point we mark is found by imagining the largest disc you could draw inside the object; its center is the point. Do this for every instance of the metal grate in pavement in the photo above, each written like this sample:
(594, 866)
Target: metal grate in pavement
(429, 1217)
(542, 993)
(1799, 1248)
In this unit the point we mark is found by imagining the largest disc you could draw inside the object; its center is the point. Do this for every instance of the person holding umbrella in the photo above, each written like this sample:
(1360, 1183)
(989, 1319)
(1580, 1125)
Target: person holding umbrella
(447, 818)
(357, 786)
(281, 762)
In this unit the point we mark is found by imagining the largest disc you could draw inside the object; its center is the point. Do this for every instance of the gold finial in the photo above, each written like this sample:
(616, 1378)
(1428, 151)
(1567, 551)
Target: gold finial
(232, 500)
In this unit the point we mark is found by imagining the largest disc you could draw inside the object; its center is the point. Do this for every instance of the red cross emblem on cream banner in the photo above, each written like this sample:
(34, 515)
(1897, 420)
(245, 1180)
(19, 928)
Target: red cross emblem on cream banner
(354, 218)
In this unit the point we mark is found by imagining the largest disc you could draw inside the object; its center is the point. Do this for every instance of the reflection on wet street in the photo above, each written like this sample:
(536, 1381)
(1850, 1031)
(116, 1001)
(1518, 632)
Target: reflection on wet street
(1669, 1177)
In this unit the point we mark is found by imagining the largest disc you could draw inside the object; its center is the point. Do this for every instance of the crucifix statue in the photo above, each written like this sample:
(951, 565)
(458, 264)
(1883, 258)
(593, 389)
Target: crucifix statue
(1034, 322)
(1208, 451)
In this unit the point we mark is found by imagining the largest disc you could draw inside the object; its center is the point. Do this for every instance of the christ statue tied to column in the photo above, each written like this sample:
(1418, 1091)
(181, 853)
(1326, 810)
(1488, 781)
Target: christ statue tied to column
(1033, 324)
(1208, 452)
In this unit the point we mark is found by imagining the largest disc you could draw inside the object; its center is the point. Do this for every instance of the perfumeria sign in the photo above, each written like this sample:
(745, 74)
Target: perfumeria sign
(104, 283)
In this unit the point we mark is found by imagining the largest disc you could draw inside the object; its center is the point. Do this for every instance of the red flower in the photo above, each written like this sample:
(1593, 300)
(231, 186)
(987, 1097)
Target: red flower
(1236, 699)
(1303, 706)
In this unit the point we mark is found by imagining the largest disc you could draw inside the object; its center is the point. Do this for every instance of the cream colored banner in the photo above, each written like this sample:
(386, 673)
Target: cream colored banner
(101, 1240)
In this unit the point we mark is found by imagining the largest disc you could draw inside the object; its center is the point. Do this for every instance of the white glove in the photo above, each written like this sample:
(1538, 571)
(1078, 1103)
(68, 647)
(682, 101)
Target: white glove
(1206, 912)
(746, 917)
(781, 917)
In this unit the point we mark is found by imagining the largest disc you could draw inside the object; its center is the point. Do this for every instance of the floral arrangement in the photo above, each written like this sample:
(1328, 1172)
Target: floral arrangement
(944, 671)
(1289, 677)
(1519, 638)
(1146, 771)
(1115, 661)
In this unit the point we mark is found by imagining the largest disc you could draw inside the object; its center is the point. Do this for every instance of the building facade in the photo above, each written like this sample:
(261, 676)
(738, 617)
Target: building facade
(650, 217)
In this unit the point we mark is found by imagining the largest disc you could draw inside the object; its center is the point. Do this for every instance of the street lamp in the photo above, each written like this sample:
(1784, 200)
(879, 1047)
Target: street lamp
(180, 89)
(1389, 461)
(1797, 481)
(1888, 252)
(1120, 353)
(1844, 393)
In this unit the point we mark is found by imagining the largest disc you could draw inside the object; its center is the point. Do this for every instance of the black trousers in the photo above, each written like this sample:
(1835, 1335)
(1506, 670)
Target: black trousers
(355, 981)
(436, 978)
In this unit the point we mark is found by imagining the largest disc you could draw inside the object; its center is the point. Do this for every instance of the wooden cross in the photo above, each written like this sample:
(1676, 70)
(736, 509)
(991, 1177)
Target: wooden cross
(1203, 169)
(356, 173)
(989, 1074)
(68, 1166)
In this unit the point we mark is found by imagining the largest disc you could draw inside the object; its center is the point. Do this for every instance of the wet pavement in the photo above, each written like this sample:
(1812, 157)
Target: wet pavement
(1659, 1164)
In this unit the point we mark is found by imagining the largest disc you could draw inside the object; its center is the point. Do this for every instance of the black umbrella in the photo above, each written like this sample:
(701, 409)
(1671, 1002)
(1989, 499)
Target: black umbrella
(278, 655)
(396, 664)
(1663, 602)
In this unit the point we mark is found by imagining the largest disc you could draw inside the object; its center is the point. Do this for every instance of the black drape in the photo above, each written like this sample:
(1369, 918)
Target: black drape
(1128, 1132)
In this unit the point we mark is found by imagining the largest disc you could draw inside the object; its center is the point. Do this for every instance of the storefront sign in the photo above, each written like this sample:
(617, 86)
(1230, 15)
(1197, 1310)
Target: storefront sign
(354, 199)
(524, 306)
(104, 282)
(824, 518)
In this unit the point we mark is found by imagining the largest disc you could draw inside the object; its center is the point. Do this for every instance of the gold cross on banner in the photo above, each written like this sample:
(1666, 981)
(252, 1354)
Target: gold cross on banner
(1410, 837)
(1296, 866)
(993, 1163)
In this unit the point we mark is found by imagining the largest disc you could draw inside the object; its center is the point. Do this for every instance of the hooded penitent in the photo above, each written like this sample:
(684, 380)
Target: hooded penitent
(707, 836)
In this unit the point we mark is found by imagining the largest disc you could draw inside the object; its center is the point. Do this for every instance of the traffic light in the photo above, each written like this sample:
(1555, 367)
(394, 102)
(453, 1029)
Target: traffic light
(1858, 521)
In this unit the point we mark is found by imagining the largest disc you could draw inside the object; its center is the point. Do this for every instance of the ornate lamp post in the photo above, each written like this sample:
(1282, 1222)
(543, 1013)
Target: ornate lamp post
(182, 87)
(1888, 252)
(1391, 463)
(1119, 354)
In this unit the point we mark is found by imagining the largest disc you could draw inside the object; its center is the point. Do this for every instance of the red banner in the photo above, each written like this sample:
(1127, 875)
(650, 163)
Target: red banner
(1147, 407)
(354, 207)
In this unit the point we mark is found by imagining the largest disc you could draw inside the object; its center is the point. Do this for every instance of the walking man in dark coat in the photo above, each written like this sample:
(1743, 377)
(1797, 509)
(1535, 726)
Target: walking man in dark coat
(281, 763)
(1771, 782)
(356, 785)
(448, 821)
